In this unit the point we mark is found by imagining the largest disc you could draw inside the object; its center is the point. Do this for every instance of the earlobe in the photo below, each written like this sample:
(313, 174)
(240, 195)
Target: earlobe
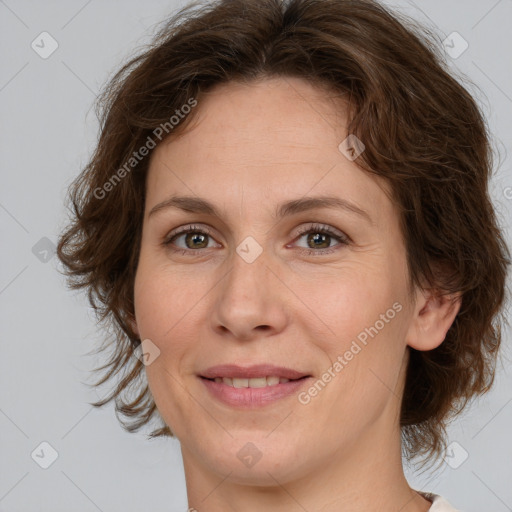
(433, 316)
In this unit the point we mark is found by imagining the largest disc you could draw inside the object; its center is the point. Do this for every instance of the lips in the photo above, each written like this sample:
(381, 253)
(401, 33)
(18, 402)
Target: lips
(239, 374)
(254, 386)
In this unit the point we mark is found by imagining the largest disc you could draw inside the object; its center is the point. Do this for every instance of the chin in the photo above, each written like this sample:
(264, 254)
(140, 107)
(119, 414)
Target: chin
(264, 473)
(253, 460)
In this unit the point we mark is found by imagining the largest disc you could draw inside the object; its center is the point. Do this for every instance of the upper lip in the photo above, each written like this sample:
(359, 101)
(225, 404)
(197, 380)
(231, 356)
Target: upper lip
(250, 372)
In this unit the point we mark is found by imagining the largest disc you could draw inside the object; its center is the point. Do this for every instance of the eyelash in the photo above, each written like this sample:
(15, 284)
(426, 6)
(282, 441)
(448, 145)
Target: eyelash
(314, 228)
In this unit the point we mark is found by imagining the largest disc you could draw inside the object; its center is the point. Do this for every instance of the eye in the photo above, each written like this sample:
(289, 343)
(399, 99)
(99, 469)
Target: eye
(192, 237)
(318, 239)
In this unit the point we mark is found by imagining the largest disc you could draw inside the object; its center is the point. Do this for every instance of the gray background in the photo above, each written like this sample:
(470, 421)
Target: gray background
(47, 132)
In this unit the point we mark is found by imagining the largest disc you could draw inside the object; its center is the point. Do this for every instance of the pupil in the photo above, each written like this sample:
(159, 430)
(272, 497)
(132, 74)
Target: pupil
(318, 237)
(195, 237)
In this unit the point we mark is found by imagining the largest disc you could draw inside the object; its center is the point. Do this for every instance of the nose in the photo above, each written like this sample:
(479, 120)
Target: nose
(250, 300)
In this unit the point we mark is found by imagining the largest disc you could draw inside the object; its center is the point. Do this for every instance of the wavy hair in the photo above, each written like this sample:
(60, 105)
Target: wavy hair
(423, 133)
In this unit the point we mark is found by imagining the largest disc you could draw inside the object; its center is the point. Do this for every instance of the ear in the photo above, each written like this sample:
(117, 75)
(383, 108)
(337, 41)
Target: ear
(433, 316)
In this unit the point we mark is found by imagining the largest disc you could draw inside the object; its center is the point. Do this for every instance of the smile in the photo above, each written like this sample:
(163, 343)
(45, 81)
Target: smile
(258, 382)
(252, 397)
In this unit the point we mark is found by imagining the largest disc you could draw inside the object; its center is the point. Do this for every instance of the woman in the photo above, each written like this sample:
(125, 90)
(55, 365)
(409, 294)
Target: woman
(287, 222)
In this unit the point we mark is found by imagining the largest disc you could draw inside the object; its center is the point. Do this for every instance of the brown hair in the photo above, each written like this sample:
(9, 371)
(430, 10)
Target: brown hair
(422, 130)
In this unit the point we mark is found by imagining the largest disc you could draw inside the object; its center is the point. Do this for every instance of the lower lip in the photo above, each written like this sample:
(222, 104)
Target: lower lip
(252, 397)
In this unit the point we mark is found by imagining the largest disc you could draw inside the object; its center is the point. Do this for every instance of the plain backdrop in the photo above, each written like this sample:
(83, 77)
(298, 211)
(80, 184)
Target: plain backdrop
(47, 132)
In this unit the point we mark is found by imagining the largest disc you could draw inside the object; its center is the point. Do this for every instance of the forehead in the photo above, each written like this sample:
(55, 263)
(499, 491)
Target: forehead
(272, 138)
(302, 113)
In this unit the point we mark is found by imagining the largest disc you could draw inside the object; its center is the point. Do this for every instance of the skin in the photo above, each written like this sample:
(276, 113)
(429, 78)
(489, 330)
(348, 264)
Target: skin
(250, 148)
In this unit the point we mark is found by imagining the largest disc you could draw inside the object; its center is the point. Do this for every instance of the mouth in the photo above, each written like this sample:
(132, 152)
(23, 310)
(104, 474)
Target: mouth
(255, 382)
(238, 375)
(252, 386)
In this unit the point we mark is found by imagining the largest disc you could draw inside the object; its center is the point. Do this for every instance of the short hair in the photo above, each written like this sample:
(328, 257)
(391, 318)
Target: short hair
(423, 133)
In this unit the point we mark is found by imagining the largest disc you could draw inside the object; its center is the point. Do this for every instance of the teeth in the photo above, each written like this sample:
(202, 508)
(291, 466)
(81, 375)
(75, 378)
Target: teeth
(259, 382)
(241, 383)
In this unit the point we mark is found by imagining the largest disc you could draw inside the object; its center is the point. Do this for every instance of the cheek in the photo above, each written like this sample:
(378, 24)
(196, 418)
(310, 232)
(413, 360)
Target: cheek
(165, 314)
(362, 322)
(348, 304)
(169, 310)
(163, 298)
(363, 357)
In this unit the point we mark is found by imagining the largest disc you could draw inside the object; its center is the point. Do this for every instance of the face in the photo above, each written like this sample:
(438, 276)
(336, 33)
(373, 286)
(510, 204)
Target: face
(251, 272)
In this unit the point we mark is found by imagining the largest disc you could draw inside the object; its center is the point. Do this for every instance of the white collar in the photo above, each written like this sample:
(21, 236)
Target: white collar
(439, 504)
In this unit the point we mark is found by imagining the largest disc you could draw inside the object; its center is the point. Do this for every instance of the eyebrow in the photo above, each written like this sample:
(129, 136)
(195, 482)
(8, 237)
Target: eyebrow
(198, 205)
